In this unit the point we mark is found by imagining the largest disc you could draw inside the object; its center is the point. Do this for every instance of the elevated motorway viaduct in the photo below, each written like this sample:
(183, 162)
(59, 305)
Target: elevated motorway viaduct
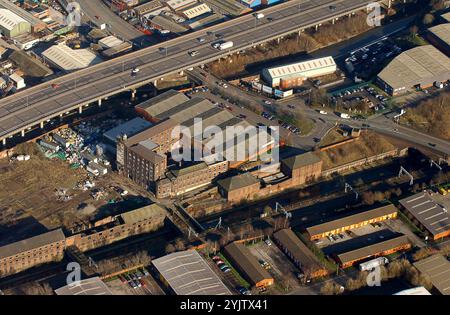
(37, 105)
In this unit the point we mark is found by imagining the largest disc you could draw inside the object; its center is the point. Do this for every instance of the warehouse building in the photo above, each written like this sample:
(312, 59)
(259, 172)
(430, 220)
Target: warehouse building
(91, 286)
(205, 20)
(176, 5)
(439, 36)
(196, 10)
(147, 7)
(187, 273)
(300, 254)
(437, 268)
(68, 59)
(419, 67)
(446, 17)
(34, 251)
(247, 264)
(129, 128)
(292, 75)
(383, 248)
(429, 215)
(251, 3)
(231, 8)
(36, 24)
(352, 222)
(12, 25)
(239, 187)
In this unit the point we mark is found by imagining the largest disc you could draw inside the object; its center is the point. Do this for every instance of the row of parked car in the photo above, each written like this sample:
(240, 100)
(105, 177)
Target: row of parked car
(221, 264)
(134, 278)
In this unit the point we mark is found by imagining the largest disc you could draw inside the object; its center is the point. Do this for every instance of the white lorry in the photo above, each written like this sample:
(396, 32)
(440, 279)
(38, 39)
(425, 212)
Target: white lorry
(344, 115)
(259, 16)
(369, 265)
(224, 45)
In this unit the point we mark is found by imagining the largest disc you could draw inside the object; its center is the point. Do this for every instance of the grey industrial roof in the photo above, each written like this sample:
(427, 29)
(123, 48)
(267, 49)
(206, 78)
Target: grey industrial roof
(147, 154)
(205, 20)
(152, 131)
(230, 7)
(162, 102)
(438, 269)
(441, 31)
(419, 65)
(299, 251)
(144, 213)
(301, 160)
(428, 212)
(187, 273)
(168, 24)
(371, 250)
(91, 286)
(24, 14)
(237, 182)
(129, 128)
(31, 243)
(189, 169)
(246, 262)
(351, 219)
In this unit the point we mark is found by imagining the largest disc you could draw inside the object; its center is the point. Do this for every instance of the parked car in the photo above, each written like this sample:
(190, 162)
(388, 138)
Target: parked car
(268, 242)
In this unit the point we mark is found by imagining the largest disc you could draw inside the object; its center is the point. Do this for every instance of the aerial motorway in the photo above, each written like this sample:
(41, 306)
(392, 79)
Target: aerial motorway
(37, 105)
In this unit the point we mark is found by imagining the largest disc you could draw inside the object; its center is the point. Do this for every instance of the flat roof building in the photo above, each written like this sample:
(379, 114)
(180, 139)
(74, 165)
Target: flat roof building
(187, 273)
(247, 264)
(165, 23)
(430, 215)
(437, 267)
(196, 10)
(129, 128)
(180, 4)
(36, 24)
(352, 221)
(68, 59)
(419, 67)
(439, 36)
(299, 253)
(292, 75)
(12, 25)
(91, 286)
(231, 8)
(386, 247)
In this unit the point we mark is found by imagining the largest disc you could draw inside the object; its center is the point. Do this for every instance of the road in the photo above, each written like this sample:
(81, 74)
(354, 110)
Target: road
(38, 104)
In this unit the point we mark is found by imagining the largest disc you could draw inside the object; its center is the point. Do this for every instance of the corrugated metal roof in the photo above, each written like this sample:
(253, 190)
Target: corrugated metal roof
(246, 262)
(371, 250)
(417, 65)
(442, 31)
(196, 10)
(176, 4)
(91, 286)
(144, 213)
(70, 59)
(352, 219)
(32, 243)
(414, 291)
(301, 67)
(187, 273)
(438, 269)
(10, 20)
(446, 16)
(428, 212)
(110, 41)
(163, 102)
(299, 251)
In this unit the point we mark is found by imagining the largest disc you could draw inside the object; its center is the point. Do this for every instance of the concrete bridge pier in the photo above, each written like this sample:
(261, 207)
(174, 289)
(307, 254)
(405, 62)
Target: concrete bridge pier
(41, 124)
(133, 94)
(22, 132)
(99, 102)
(4, 141)
(80, 109)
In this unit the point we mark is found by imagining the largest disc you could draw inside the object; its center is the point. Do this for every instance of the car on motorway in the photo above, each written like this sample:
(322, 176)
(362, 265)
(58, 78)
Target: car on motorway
(332, 8)
(242, 116)
(201, 40)
(431, 144)
(55, 85)
(193, 53)
(135, 71)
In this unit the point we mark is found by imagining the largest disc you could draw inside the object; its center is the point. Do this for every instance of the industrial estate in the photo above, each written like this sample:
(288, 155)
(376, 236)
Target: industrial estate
(224, 147)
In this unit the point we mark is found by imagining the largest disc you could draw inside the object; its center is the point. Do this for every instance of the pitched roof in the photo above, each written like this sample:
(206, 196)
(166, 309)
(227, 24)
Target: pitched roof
(351, 219)
(144, 213)
(189, 169)
(300, 68)
(371, 250)
(438, 269)
(187, 273)
(91, 286)
(420, 64)
(158, 104)
(246, 262)
(32, 243)
(442, 31)
(238, 182)
(301, 160)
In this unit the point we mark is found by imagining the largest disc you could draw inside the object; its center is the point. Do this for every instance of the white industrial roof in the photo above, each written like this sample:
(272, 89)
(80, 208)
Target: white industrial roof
(197, 10)
(129, 128)
(298, 68)
(414, 291)
(442, 31)
(91, 286)
(187, 273)
(16, 78)
(9, 19)
(176, 4)
(110, 42)
(70, 59)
